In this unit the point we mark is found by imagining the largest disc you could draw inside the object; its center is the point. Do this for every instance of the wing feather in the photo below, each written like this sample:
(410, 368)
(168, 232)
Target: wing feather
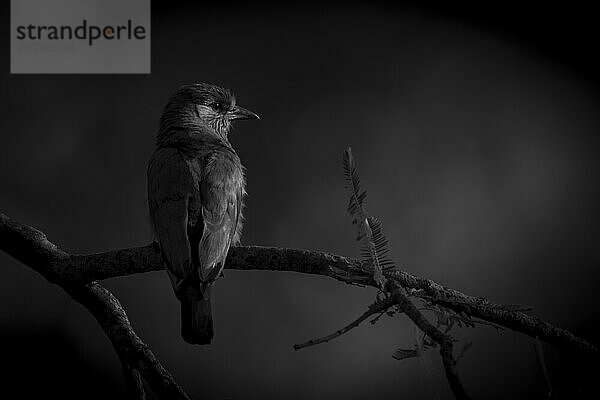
(221, 200)
(169, 189)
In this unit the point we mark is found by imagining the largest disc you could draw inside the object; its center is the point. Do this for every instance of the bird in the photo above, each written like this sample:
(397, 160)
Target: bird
(196, 190)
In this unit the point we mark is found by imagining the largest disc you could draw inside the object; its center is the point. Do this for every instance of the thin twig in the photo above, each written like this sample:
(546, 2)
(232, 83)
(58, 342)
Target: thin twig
(376, 307)
(378, 317)
(467, 321)
(463, 351)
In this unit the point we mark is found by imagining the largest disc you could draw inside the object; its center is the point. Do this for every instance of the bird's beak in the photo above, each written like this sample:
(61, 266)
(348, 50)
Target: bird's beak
(241, 113)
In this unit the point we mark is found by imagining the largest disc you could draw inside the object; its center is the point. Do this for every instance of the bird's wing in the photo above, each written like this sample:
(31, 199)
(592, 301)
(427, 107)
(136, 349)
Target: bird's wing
(169, 189)
(221, 194)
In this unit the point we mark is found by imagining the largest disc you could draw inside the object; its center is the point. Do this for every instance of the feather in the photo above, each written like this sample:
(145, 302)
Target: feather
(369, 229)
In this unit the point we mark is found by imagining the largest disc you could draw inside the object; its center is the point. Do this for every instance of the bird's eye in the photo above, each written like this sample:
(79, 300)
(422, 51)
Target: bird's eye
(217, 106)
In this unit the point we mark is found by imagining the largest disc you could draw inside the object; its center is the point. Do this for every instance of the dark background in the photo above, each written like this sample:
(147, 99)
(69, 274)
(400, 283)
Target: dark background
(475, 132)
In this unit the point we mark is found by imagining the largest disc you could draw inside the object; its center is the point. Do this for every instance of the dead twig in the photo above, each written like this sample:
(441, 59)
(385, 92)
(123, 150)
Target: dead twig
(377, 307)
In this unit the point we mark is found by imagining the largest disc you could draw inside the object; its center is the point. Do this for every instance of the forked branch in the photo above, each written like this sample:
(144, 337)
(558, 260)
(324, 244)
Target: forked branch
(77, 274)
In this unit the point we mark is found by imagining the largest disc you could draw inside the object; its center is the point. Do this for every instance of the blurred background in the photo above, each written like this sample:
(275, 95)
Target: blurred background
(475, 134)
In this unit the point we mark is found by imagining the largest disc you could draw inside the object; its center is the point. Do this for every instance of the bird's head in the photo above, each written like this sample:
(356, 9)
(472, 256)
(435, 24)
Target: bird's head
(201, 109)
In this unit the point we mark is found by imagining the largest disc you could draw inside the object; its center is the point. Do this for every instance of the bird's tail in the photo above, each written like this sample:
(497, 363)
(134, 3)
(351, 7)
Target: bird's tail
(196, 319)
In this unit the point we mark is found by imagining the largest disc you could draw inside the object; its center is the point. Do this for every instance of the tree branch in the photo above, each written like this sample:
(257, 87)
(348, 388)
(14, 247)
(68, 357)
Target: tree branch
(31, 247)
(133, 381)
(77, 274)
(129, 347)
(443, 340)
(405, 305)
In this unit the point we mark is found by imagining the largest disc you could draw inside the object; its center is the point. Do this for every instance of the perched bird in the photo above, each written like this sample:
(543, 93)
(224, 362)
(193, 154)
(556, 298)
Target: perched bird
(195, 195)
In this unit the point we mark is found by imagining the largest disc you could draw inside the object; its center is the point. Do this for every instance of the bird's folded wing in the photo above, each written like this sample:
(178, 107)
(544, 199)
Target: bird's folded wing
(169, 188)
(220, 210)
